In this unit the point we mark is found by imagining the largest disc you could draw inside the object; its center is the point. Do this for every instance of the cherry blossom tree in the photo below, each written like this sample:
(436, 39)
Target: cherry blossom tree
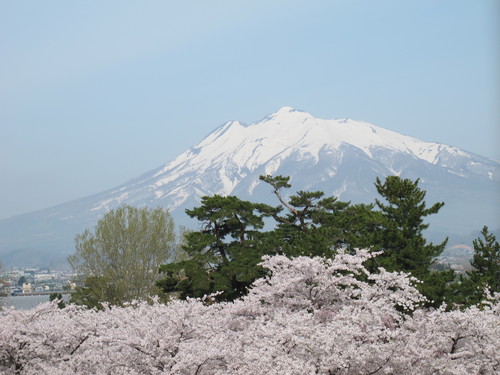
(309, 316)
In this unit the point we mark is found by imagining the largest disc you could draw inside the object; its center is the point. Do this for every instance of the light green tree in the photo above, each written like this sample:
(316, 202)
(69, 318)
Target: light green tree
(120, 261)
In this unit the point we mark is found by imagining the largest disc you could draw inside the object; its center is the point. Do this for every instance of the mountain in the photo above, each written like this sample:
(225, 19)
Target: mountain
(340, 157)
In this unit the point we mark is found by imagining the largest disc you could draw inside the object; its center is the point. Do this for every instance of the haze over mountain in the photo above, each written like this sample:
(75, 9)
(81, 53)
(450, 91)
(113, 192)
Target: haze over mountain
(340, 157)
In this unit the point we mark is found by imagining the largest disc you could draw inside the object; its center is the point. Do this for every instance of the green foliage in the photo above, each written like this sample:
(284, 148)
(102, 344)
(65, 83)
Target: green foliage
(21, 281)
(486, 261)
(223, 256)
(314, 225)
(306, 227)
(59, 298)
(400, 236)
(401, 230)
(119, 262)
(485, 276)
(179, 254)
(439, 287)
(94, 292)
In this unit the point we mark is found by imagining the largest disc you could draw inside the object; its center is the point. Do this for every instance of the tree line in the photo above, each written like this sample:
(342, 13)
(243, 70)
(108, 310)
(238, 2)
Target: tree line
(120, 261)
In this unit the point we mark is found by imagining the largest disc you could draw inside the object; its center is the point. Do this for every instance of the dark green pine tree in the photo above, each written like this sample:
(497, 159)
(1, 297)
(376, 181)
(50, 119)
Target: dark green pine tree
(485, 275)
(311, 224)
(224, 254)
(401, 236)
(486, 261)
(405, 248)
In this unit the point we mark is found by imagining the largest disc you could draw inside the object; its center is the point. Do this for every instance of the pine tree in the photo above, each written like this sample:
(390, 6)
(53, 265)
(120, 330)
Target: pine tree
(401, 236)
(486, 271)
(224, 254)
(471, 288)
(402, 240)
(315, 225)
(486, 261)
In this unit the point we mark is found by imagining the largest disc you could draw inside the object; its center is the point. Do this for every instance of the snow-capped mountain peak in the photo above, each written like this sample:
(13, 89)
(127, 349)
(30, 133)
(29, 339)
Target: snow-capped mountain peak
(288, 129)
(235, 151)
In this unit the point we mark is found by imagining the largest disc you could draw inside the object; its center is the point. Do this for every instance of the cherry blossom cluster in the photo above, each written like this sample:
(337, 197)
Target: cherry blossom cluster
(310, 316)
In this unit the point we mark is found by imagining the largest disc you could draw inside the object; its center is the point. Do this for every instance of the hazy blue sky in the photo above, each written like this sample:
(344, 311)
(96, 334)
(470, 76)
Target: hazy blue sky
(93, 93)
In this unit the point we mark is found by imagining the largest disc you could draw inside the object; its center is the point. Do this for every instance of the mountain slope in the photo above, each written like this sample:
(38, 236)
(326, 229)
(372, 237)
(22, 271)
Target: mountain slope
(340, 157)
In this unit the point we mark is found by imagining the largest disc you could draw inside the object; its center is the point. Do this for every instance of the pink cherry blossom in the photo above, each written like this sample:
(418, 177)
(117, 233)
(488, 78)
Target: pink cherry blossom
(310, 316)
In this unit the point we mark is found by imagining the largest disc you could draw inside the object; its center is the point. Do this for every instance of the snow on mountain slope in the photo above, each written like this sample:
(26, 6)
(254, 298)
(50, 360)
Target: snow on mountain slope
(340, 157)
(219, 162)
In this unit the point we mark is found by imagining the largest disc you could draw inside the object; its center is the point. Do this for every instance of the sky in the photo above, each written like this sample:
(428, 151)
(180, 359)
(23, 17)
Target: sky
(94, 93)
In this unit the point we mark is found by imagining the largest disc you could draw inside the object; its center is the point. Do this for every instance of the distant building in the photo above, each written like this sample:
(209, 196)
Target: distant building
(27, 288)
(4, 288)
